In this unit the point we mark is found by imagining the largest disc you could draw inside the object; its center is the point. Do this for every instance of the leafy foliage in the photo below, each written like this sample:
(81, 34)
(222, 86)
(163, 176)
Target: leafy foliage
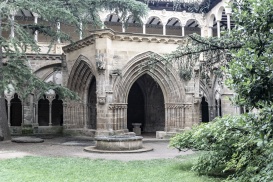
(240, 147)
(14, 64)
(72, 12)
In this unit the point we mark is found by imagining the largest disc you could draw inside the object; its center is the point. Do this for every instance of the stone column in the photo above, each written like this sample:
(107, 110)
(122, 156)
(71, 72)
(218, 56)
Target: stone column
(35, 22)
(58, 30)
(119, 111)
(218, 29)
(65, 114)
(228, 13)
(166, 118)
(80, 33)
(188, 115)
(12, 24)
(27, 114)
(228, 22)
(164, 29)
(36, 113)
(210, 34)
(9, 97)
(183, 30)
(50, 96)
(174, 116)
(123, 27)
(218, 107)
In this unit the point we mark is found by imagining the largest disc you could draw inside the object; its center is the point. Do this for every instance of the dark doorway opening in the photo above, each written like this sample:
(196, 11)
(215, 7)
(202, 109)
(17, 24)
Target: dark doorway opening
(146, 105)
(15, 111)
(92, 105)
(136, 111)
(43, 112)
(57, 112)
(205, 110)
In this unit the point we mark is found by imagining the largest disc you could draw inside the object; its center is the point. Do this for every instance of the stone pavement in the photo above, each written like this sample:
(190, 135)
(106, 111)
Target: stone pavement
(73, 147)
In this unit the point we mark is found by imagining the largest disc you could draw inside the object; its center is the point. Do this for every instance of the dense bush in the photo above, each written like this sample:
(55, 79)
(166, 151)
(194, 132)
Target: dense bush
(239, 147)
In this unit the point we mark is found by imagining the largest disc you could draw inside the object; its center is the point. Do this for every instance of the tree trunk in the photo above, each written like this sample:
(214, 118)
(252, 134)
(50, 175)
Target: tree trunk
(4, 127)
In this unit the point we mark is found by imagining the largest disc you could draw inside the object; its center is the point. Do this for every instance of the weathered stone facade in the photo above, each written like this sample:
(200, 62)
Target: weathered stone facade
(106, 70)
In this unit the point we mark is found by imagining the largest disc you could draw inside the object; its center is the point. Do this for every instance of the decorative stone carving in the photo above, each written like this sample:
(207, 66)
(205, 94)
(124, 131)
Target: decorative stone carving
(101, 100)
(118, 106)
(100, 63)
(64, 64)
(116, 72)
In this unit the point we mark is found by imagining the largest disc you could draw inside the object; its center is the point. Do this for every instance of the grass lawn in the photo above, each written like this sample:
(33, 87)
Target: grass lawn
(48, 169)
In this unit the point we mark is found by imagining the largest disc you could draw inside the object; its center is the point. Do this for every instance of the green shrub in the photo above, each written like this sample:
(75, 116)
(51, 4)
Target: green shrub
(239, 147)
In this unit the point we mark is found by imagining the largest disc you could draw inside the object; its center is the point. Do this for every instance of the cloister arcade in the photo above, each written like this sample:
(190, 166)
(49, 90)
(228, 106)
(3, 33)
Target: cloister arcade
(103, 68)
(157, 22)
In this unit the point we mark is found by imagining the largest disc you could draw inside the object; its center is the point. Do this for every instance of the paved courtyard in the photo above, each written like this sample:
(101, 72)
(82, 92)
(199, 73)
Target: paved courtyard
(73, 147)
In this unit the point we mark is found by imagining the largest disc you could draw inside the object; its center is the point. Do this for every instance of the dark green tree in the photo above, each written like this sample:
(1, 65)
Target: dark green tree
(14, 69)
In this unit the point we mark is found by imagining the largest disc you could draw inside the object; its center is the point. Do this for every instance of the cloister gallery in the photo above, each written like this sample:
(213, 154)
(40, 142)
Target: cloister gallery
(103, 67)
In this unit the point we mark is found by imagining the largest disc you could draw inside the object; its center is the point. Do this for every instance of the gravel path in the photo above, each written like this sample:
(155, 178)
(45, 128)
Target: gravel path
(73, 147)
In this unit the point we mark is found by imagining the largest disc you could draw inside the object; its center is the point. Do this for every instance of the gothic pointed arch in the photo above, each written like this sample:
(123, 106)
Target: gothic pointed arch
(166, 77)
(82, 79)
(82, 72)
(205, 91)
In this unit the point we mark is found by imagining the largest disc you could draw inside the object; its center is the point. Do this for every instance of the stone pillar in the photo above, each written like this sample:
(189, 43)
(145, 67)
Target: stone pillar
(218, 29)
(27, 113)
(174, 116)
(202, 31)
(119, 113)
(164, 29)
(166, 118)
(228, 22)
(85, 114)
(36, 113)
(123, 27)
(144, 28)
(64, 113)
(188, 115)
(50, 96)
(211, 112)
(58, 30)
(210, 34)
(183, 30)
(217, 108)
(9, 97)
(228, 13)
(226, 103)
(12, 34)
(227, 107)
(35, 22)
(80, 33)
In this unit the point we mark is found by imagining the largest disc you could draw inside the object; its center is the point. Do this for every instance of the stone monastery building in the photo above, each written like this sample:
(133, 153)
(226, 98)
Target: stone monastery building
(104, 68)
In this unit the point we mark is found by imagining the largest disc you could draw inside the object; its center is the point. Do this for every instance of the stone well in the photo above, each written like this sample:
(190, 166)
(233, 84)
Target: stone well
(118, 143)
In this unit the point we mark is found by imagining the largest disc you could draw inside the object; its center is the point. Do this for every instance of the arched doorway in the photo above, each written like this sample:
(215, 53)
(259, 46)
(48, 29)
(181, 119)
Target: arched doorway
(92, 105)
(82, 80)
(43, 112)
(205, 110)
(15, 111)
(136, 103)
(146, 105)
(57, 112)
